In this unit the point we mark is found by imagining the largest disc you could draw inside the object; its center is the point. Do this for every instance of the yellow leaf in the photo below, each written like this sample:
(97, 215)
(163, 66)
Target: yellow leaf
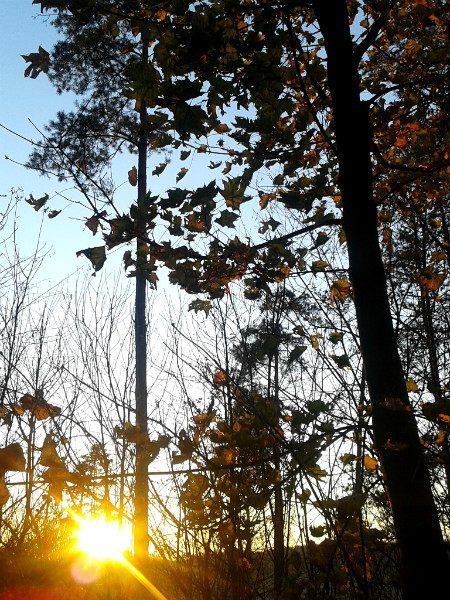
(410, 385)
(370, 463)
(339, 290)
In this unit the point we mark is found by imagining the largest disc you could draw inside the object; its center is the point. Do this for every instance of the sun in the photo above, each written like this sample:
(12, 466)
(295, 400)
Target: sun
(102, 539)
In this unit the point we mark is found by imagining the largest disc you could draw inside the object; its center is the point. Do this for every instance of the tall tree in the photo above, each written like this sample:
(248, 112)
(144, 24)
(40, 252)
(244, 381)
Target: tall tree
(318, 111)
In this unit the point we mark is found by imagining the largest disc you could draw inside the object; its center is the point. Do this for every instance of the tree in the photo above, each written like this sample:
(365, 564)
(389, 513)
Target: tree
(328, 111)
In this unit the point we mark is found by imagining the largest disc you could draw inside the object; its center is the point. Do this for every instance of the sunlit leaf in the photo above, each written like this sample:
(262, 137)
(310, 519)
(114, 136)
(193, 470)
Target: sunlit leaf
(12, 458)
(410, 385)
(370, 463)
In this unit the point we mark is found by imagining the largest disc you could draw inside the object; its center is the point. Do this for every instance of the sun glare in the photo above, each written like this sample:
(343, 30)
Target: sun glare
(102, 539)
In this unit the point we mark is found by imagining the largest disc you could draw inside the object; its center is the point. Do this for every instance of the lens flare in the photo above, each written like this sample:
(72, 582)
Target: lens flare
(101, 539)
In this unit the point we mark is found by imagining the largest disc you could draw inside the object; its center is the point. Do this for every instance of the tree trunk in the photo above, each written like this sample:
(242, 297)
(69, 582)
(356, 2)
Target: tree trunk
(424, 558)
(140, 330)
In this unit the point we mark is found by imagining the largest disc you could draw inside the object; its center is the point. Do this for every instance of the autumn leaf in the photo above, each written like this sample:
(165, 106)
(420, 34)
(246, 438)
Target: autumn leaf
(53, 213)
(335, 337)
(93, 222)
(219, 378)
(204, 305)
(159, 169)
(340, 289)
(37, 204)
(132, 176)
(49, 456)
(410, 385)
(39, 62)
(318, 531)
(43, 410)
(370, 463)
(97, 256)
(12, 458)
(318, 265)
(428, 280)
(4, 493)
(181, 173)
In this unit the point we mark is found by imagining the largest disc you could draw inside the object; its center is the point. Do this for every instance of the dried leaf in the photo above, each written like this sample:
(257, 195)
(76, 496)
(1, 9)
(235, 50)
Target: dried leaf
(132, 176)
(12, 458)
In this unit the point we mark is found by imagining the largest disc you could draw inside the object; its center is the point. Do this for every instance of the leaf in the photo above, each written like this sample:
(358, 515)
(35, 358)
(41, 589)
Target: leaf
(203, 305)
(181, 173)
(321, 239)
(339, 290)
(39, 62)
(93, 222)
(49, 456)
(54, 213)
(296, 353)
(184, 154)
(233, 192)
(159, 169)
(133, 176)
(318, 265)
(370, 463)
(221, 128)
(37, 204)
(97, 256)
(220, 378)
(4, 493)
(410, 385)
(348, 459)
(303, 496)
(342, 360)
(227, 219)
(349, 505)
(12, 458)
(214, 165)
(180, 458)
(335, 337)
(318, 531)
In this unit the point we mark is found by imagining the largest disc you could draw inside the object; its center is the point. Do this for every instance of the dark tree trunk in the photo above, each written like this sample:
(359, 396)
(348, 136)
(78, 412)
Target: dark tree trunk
(141, 481)
(424, 558)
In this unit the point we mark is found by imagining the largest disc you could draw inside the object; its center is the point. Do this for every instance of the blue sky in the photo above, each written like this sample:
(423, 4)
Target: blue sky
(24, 101)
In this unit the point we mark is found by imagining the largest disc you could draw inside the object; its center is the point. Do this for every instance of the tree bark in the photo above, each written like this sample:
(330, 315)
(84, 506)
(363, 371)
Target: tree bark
(424, 559)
